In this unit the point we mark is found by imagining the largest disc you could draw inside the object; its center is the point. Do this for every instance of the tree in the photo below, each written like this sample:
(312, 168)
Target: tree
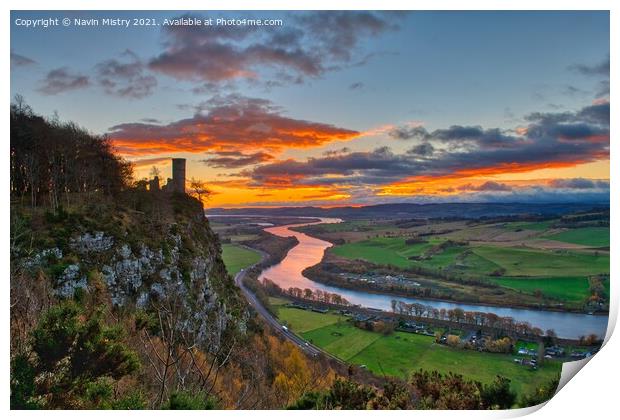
(155, 172)
(75, 357)
(446, 392)
(51, 159)
(550, 338)
(348, 395)
(187, 401)
(198, 189)
(498, 395)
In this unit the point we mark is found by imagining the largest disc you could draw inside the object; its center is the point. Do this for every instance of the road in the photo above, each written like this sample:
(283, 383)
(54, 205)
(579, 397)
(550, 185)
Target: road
(308, 348)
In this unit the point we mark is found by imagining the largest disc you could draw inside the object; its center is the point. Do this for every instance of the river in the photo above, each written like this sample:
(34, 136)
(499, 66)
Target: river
(310, 251)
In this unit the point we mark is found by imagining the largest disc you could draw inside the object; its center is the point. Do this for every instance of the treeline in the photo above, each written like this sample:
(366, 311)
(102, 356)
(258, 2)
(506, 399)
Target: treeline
(50, 160)
(316, 295)
(473, 318)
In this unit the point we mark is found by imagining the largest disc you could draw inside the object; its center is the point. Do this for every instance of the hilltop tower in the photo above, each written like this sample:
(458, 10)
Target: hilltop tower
(178, 175)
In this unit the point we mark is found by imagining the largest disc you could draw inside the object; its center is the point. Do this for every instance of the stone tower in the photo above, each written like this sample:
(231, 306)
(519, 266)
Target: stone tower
(178, 175)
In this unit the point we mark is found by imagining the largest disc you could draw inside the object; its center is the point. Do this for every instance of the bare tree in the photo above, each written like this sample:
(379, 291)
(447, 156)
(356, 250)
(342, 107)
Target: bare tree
(155, 172)
(198, 189)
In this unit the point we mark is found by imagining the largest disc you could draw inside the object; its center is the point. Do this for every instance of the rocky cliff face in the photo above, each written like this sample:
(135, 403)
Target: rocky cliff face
(144, 264)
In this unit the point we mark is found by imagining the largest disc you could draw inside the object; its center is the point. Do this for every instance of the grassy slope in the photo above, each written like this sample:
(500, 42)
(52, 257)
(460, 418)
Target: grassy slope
(236, 258)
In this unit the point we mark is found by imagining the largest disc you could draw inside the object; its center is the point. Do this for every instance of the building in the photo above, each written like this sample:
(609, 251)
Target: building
(174, 184)
(178, 175)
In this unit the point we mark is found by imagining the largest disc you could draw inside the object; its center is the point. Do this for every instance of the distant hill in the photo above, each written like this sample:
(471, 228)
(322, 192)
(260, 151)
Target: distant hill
(436, 210)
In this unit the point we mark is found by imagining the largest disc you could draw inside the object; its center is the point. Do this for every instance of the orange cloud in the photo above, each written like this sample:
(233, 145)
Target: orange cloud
(230, 123)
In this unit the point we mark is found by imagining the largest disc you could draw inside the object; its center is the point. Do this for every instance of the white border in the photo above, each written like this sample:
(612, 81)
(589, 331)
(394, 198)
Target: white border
(591, 394)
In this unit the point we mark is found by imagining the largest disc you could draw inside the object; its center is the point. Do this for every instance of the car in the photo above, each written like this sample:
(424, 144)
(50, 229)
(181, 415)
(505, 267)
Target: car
(284, 327)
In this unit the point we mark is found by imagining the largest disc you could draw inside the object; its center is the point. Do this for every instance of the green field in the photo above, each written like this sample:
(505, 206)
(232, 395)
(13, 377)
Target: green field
(278, 301)
(480, 260)
(569, 289)
(531, 262)
(237, 258)
(382, 251)
(400, 353)
(301, 321)
(590, 236)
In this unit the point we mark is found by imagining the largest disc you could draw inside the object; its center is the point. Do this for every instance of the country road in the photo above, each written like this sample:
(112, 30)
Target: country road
(308, 348)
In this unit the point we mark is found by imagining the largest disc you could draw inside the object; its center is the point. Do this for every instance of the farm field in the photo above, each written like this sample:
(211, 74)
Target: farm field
(591, 236)
(237, 258)
(382, 251)
(530, 262)
(302, 321)
(569, 289)
(400, 353)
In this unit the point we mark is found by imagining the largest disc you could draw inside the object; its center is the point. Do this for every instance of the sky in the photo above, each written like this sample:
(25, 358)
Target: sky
(337, 108)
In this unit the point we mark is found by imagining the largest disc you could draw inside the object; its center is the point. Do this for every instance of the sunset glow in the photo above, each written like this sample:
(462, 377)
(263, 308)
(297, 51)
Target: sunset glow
(350, 115)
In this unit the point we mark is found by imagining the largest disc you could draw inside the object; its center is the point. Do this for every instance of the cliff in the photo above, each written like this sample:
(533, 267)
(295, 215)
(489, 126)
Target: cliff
(143, 248)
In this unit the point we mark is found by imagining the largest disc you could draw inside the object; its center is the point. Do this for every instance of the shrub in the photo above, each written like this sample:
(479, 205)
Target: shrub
(183, 400)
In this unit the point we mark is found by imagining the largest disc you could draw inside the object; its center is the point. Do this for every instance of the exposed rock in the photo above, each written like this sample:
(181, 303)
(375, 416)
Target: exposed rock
(88, 243)
(43, 257)
(69, 281)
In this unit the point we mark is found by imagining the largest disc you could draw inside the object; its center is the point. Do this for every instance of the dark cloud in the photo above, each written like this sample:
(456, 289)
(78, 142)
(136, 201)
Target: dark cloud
(232, 160)
(423, 149)
(550, 141)
(579, 184)
(125, 77)
(484, 138)
(310, 44)
(62, 80)
(337, 33)
(571, 90)
(596, 114)
(18, 60)
(408, 132)
(356, 86)
(336, 152)
(599, 69)
(486, 186)
(224, 123)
